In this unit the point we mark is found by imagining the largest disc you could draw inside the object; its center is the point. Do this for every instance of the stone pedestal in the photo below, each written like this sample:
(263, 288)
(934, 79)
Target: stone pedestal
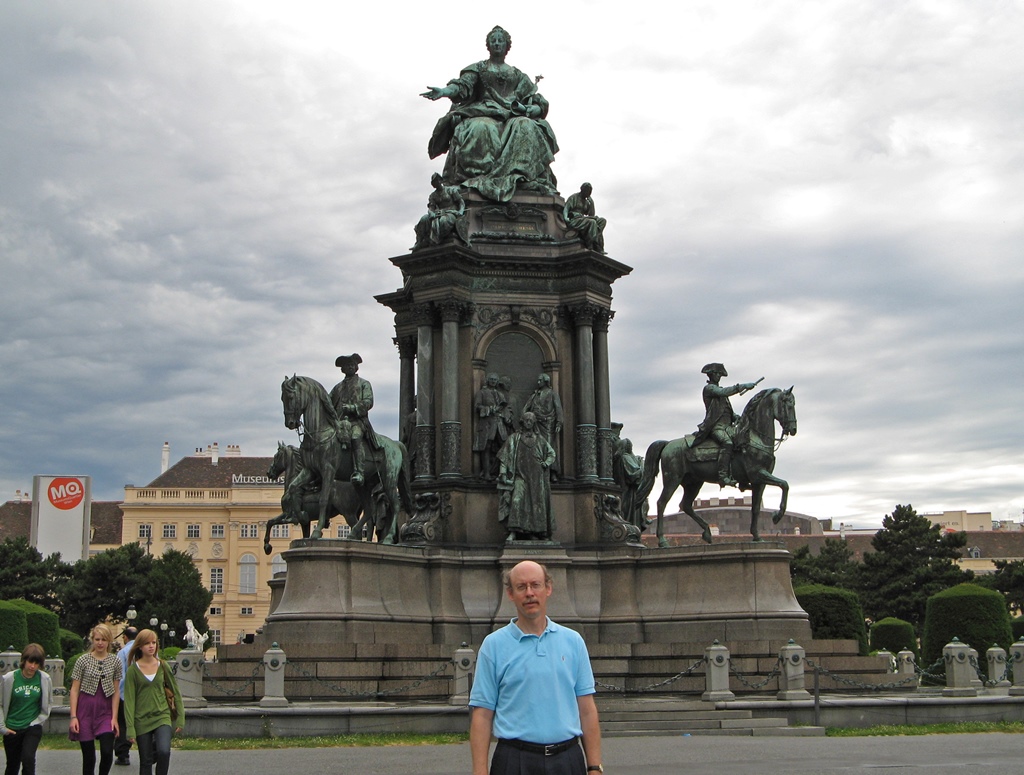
(351, 592)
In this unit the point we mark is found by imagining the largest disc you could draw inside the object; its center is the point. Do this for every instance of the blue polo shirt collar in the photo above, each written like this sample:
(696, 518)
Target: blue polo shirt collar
(519, 634)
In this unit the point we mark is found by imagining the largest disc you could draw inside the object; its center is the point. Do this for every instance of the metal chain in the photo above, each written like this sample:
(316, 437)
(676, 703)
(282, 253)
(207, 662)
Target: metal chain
(986, 681)
(860, 684)
(342, 690)
(761, 684)
(652, 687)
(216, 685)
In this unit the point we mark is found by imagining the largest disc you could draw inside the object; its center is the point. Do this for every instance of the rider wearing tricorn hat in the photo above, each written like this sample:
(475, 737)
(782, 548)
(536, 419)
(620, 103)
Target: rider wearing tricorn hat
(353, 399)
(719, 418)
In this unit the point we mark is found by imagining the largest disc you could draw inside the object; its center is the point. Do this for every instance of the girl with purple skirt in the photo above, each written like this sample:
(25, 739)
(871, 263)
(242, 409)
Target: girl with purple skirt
(95, 682)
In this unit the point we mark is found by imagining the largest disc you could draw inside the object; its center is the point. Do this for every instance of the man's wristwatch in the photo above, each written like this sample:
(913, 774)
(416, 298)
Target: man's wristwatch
(595, 768)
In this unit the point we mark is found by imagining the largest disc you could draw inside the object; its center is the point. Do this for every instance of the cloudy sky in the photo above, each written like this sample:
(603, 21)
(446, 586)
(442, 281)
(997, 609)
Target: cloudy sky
(200, 197)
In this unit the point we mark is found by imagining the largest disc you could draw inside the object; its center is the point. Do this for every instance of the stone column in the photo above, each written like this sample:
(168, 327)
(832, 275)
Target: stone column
(716, 677)
(586, 426)
(1017, 660)
(451, 427)
(425, 431)
(190, 677)
(791, 679)
(55, 667)
(465, 664)
(960, 674)
(274, 661)
(602, 395)
(906, 663)
(996, 658)
(406, 378)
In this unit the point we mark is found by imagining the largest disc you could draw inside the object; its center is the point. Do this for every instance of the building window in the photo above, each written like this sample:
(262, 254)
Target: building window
(193, 531)
(170, 531)
(217, 581)
(278, 565)
(279, 531)
(145, 531)
(249, 531)
(216, 610)
(246, 610)
(216, 531)
(214, 637)
(344, 531)
(247, 574)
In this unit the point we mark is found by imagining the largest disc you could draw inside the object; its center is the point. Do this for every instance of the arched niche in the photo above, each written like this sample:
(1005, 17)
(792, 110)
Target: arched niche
(518, 355)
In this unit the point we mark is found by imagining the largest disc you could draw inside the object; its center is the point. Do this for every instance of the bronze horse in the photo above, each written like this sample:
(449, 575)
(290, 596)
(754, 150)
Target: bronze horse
(327, 455)
(343, 499)
(752, 463)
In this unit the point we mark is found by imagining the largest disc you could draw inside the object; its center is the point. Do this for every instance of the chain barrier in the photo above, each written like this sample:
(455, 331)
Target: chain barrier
(652, 687)
(350, 693)
(755, 687)
(991, 682)
(233, 692)
(860, 684)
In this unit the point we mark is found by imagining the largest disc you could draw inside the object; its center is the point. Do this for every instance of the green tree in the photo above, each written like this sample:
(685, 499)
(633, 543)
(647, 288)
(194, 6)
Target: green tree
(175, 592)
(105, 585)
(834, 566)
(26, 575)
(912, 560)
(1008, 579)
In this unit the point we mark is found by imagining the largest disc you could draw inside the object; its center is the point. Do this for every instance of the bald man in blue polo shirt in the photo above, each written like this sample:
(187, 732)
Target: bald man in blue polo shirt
(534, 690)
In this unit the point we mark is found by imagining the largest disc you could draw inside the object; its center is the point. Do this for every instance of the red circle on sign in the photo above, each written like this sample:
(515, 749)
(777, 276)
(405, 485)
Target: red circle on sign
(65, 492)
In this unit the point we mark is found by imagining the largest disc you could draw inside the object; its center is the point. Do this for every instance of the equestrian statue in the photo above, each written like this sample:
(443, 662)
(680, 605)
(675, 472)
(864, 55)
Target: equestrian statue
(341, 446)
(729, 450)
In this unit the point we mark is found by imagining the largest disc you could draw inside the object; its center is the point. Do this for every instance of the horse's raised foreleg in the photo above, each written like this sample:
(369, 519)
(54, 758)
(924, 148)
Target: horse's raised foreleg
(691, 489)
(271, 523)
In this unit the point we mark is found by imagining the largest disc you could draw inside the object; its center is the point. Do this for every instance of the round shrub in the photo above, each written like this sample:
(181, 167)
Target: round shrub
(835, 614)
(13, 627)
(975, 615)
(70, 644)
(894, 635)
(43, 627)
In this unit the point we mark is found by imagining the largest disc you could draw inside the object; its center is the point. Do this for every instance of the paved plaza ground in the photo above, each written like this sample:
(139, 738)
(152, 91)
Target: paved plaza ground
(931, 754)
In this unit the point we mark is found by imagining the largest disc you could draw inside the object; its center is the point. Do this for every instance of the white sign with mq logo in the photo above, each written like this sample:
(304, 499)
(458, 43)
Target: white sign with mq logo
(61, 516)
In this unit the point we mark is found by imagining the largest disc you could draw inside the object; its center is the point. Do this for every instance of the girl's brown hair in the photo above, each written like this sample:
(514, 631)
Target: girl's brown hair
(144, 637)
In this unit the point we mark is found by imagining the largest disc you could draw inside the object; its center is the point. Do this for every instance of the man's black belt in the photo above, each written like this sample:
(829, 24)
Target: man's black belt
(544, 750)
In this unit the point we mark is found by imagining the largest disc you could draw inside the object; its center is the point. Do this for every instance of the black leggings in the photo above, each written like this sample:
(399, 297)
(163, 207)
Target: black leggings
(21, 750)
(106, 754)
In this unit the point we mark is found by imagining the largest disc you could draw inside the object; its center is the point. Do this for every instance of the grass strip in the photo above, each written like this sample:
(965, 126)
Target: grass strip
(185, 743)
(952, 728)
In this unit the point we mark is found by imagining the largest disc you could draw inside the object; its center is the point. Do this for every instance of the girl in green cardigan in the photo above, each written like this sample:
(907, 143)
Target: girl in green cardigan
(146, 710)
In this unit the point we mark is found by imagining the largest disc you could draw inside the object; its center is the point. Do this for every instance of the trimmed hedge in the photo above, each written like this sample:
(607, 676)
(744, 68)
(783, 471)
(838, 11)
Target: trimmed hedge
(13, 627)
(975, 615)
(834, 614)
(892, 634)
(43, 627)
(70, 644)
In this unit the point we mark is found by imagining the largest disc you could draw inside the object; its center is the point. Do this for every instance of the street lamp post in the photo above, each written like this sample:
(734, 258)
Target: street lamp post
(163, 632)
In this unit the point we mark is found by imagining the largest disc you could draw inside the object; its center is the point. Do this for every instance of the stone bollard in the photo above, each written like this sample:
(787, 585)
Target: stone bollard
(976, 681)
(960, 673)
(716, 676)
(9, 660)
(890, 662)
(996, 658)
(190, 677)
(1017, 665)
(465, 663)
(55, 669)
(906, 664)
(791, 679)
(273, 678)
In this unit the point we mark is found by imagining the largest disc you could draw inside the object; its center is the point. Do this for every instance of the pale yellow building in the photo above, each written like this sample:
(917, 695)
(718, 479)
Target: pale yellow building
(962, 521)
(214, 506)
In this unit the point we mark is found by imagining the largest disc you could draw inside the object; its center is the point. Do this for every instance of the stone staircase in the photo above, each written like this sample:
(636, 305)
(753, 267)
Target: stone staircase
(664, 717)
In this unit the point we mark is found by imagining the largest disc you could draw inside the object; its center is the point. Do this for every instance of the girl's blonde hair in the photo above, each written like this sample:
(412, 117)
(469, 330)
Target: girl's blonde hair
(104, 631)
(144, 637)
